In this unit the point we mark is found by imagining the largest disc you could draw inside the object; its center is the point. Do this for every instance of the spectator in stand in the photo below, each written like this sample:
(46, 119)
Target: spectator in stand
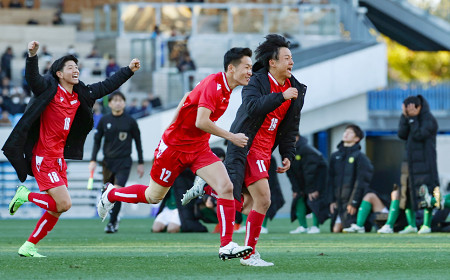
(155, 101)
(5, 86)
(15, 4)
(5, 121)
(133, 109)
(57, 20)
(112, 66)
(146, 108)
(97, 109)
(45, 54)
(47, 66)
(94, 53)
(6, 61)
(185, 63)
(71, 51)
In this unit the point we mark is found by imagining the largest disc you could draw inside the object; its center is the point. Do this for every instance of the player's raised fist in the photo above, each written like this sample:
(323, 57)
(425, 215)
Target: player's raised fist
(33, 47)
(135, 64)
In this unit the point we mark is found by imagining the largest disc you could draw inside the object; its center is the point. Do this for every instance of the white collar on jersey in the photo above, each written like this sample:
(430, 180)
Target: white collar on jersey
(225, 82)
(273, 79)
(61, 87)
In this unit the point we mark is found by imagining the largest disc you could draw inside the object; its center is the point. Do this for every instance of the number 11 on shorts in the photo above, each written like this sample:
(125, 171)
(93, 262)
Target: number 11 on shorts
(261, 166)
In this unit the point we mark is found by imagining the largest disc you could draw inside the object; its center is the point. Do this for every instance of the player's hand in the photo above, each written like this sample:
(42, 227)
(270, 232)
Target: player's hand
(92, 165)
(351, 210)
(135, 64)
(333, 207)
(33, 47)
(313, 196)
(140, 170)
(290, 93)
(286, 165)
(294, 195)
(239, 139)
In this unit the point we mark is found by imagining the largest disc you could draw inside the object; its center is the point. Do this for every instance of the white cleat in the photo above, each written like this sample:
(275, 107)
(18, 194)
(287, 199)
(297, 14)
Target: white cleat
(104, 205)
(313, 230)
(408, 229)
(194, 192)
(298, 230)
(233, 250)
(354, 228)
(255, 260)
(386, 229)
(424, 229)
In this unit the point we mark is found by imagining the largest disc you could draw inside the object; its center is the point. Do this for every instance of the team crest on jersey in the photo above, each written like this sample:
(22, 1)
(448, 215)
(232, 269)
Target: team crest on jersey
(61, 98)
(108, 125)
(122, 136)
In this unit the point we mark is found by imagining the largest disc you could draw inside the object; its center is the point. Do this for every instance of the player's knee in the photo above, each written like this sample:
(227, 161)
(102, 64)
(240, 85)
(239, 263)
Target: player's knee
(154, 199)
(265, 203)
(369, 197)
(64, 206)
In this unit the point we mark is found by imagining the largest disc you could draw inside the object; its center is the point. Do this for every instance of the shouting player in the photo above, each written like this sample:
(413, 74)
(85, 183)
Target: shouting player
(54, 127)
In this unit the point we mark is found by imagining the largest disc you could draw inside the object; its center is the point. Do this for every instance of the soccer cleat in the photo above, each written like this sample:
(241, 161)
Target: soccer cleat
(386, 229)
(424, 229)
(298, 230)
(354, 228)
(437, 196)
(104, 205)
(233, 250)
(264, 230)
(313, 230)
(408, 229)
(28, 249)
(110, 228)
(255, 260)
(194, 192)
(19, 198)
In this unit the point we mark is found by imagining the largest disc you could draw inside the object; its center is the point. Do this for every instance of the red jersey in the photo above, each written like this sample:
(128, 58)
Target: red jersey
(212, 93)
(56, 121)
(265, 137)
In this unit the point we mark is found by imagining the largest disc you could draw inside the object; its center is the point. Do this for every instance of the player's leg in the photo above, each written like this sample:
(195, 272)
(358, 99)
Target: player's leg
(394, 209)
(216, 176)
(370, 200)
(300, 211)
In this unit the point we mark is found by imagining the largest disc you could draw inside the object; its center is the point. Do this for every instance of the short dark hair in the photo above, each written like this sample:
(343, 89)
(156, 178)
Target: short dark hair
(357, 130)
(234, 55)
(58, 65)
(413, 100)
(116, 93)
(270, 49)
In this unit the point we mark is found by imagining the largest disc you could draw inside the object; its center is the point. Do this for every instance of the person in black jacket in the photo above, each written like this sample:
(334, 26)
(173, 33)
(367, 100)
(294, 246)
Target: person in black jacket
(119, 129)
(418, 128)
(269, 116)
(308, 176)
(350, 174)
(54, 127)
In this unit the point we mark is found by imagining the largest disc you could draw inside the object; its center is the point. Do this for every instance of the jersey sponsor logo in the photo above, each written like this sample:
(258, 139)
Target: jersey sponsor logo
(123, 136)
(66, 123)
(273, 124)
(73, 102)
(219, 86)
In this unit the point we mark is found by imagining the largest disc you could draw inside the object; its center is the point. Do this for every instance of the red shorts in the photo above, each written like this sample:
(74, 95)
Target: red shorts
(49, 172)
(257, 168)
(169, 163)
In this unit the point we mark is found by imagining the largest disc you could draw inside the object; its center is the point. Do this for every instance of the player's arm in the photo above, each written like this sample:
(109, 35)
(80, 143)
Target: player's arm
(136, 134)
(204, 123)
(36, 82)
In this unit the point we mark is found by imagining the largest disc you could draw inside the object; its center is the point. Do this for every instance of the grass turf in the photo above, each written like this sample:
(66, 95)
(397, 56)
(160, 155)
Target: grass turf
(79, 249)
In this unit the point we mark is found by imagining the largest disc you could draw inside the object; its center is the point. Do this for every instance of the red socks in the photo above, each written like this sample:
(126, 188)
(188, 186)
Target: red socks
(254, 223)
(238, 204)
(226, 215)
(44, 226)
(131, 194)
(44, 201)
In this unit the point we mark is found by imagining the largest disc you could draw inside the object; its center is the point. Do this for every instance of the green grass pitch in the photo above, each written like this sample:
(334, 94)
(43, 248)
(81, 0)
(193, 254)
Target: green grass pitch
(79, 249)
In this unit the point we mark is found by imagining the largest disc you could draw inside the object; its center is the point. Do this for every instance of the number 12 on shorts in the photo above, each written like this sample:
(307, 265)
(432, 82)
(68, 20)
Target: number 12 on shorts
(261, 166)
(165, 174)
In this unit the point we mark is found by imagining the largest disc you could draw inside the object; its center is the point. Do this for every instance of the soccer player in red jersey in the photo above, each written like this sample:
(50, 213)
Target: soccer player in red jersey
(270, 117)
(186, 144)
(54, 127)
